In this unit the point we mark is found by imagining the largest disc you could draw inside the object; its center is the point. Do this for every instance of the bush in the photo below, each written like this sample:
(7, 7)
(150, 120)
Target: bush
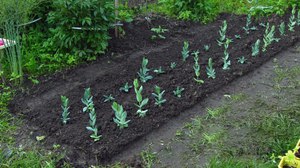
(92, 16)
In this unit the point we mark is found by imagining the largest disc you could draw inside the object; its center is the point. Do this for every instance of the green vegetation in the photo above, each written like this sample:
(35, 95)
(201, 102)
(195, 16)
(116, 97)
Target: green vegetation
(158, 33)
(256, 48)
(185, 51)
(282, 29)
(247, 28)
(197, 67)
(269, 37)
(292, 20)
(178, 91)
(92, 125)
(65, 107)
(120, 115)
(173, 65)
(126, 88)
(222, 33)
(210, 71)
(108, 98)
(226, 61)
(143, 73)
(206, 48)
(158, 96)
(141, 102)
(242, 60)
(87, 100)
(159, 70)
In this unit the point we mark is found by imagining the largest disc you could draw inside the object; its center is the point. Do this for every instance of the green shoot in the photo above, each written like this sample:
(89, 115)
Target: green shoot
(125, 88)
(120, 115)
(65, 113)
(92, 126)
(282, 28)
(159, 70)
(269, 37)
(185, 51)
(108, 98)
(242, 60)
(87, 100)
(237, 36)
(262, 24)
(173, 65)
(178, 91)
(227, 42)
(158, 96)
(197, 67)
(226, 61)
(255, 48)
(206, 48)
(222, 33)
(292, 20)
(298, 18)
(159, 31)
(141, 102)
(143, 74)
(210, 71)
(248, 23)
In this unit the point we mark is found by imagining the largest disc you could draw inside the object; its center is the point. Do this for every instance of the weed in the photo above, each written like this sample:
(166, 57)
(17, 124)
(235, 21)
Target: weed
(210, 71)
(126, 88)
(159, 70)
(242, 60)
(255, 48)
(178, 91)
(197, 67)
(141, 102)
(148, 158)
(206, 48)
(159, 31)
(143, 73)
(158, 95)
(237, 36)
(216, 112)
(173, 65)
(120, 115)
(65, 108)
(108, 98)
(185, 51)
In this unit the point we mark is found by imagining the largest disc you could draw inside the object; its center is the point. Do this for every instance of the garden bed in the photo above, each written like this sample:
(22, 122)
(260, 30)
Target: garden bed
(41, 103)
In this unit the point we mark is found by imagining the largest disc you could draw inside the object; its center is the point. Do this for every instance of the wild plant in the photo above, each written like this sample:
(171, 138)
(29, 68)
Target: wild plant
(178, 91)
(222, 33)
(269, 37)
(185, 51)
(173, 65)
(159, 70)
(237, 36)
(87, 100)
(226, 61)
(210, 71)
(120, 115)
(158, 96)
(255, 48)
(92, 125)
(292, 20)
(141, 102)
(197, 67)
(126, 87)
(65, 107)
(242, 60)
(206, 48)
(108, 98)
(143, 73)
(282, 28)
(159, 31)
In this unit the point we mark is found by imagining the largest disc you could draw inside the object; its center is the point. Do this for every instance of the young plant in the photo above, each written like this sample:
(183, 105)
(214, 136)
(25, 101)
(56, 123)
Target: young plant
(120, 115)
(185, 51)
(173, 65)
(125, 88)
(141, 102)
(178, 91)
(255, 48)
(226, 61)
(206, 48)
(159, 70)
(248, 23)
(92, 125)
(269, 37)
(226, 43)
(292, 20)
(197, 68)
(298, 18)
(222, 33)
(210, 71)
(108, 98)
(242, 60)
(143, 73)
(237, 36)
(158, 96)
(65, 113)
(159, 31)
(282, 28)
(87, 100)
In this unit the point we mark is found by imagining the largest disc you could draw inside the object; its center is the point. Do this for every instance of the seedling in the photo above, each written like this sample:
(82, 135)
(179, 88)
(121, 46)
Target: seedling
(242, 60)
(173, 65)
(237, 36)
(87, 100)
(222, 33)
(255, 48)
(298, 18)
(65, 113)
(248, 23)
(269, 37)
(197, 67)
(262, 25)
(141, 102)
(227, 42)
(185, 51)
(92, 125)
(206, 48)
(292, 20)
(282, 28)
(159, 31)
(226, 61)
(178, 91)
(158, 96)
(108, 98)
(120, 115)
(125, 88)
(143, 73)
(159, 70)
(210, 71)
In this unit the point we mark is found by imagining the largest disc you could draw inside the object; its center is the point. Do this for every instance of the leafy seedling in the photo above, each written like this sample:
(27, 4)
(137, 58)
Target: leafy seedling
(206, 48)
(65, 109)
(87, 100)
(173, 65)
(108, 98)
(255, 48)
(92, 126)
(226, 61)
(298, 18)
(222, 33)
(185, 51)
(210, 71)
(197, 67)
(158, 33)
(120, 115)
(242, 60)
(141, 102)
(282, 28)
(237, 36)
(126, 88)
(269, 37)
(159, 70)
(292, 20)
(143, 73)
(178, 91)
(158, 96)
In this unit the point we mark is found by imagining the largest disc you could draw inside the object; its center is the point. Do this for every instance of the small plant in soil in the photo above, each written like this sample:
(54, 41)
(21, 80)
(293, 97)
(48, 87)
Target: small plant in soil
(185, 51)
(248, 23)
(242, 60)
(206, 48)
(255, 48)
(143, 73)
(158, 96)
(227, 42)
(282, 28)
(298, 18)
(125, 88)
(108, 98)
(292, 20)
(210, 71)
(178, 91)
(158, 33)
(141, 102)
(173, 65)
(269, 37)
(197, 67)
(65, 109)
(92, 125)
(290, 160)
(262, 24)
(159, 70)
(226, 61)
(237, 36)
(87, 100)
(222, 33)
(120, 115)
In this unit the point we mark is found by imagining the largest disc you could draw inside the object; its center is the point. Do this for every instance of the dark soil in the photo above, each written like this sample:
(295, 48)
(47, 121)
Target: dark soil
(41, 104)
